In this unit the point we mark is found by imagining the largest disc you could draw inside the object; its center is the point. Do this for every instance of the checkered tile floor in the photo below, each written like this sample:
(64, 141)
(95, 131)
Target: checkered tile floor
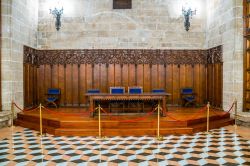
(219, 148)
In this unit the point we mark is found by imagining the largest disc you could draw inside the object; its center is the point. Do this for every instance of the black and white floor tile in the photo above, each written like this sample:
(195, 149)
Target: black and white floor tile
(219, 148)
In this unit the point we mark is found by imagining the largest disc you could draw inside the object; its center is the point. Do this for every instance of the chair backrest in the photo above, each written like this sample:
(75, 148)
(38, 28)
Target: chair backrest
(54, 91)
(187, 91)
(93, 91)
(158, 91)
(135, 90)
(117, 90)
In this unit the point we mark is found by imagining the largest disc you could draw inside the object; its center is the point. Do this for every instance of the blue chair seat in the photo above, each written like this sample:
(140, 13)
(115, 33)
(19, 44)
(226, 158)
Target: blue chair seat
(117, 103)
(158, 91)
(93, 91)
(53, 96)
(51, 99)
(188, 96)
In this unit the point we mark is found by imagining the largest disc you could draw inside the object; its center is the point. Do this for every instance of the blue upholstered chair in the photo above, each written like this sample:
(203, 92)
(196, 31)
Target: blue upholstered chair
(116, 104)
(158, 91)
(136, 103)
(117, 90)
(53, 96)
(93, 91)
(135, 90)
(154, 103)
(188, 96)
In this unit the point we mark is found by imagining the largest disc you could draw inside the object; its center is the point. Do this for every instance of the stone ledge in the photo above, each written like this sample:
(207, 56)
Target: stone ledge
(5, 117)
(243, 119)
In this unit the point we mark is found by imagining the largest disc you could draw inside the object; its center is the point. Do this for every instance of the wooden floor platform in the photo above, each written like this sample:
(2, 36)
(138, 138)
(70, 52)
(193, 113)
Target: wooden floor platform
(76, 122)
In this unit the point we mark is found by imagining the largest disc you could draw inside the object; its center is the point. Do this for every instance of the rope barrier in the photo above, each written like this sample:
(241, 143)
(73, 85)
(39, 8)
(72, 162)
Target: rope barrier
(197, 113)
(130, 120)
(24, 110)
(61, 113)
(226, 112)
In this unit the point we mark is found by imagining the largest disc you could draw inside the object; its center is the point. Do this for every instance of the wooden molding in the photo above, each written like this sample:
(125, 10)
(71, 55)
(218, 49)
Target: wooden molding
(122, 56)
(214, 55)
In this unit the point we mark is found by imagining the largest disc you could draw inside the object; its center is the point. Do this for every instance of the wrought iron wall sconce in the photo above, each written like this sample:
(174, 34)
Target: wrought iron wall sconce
(57, 14)
(187, 13)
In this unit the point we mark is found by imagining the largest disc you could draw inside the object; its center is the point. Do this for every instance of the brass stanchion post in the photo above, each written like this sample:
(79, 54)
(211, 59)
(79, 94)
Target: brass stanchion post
(12, 114)
(41, 120)
(235, 114)
(208, 109)
(99, 120)
(99, 123)
(12, 122)
(159, 137)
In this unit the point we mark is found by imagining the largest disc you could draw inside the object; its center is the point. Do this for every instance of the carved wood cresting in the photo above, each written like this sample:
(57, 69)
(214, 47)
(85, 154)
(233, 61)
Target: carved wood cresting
(122, 56)
(214, 55)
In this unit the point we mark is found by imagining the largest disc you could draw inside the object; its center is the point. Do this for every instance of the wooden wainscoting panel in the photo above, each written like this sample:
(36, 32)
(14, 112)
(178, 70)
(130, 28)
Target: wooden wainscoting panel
(154, 77)
(117, 75)
(41, 84)
(55, 76)
(146, 78)
(176, 84)
(96, 81)
(76, 71)
(183, 76)
(131, 75)
(169, 82)
(189, 76)
(161, 76)
(125, 75)
(89, 77)
(210, 83)
(103, 78)
(61, 83)
(82, 86)
(203, 83)
(197, 85)
(74, 85)
(47, 77)
(111, 75)
(68, 86)
(140, 75)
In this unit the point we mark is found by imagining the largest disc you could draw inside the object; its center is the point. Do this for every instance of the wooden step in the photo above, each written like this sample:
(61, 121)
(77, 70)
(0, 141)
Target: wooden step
(35, 119)
(204, 119)
(124, 132)
(212, 124)
(35, 126)
(121, 124)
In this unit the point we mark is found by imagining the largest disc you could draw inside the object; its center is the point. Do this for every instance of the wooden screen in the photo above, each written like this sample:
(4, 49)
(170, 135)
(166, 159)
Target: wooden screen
(46, 69)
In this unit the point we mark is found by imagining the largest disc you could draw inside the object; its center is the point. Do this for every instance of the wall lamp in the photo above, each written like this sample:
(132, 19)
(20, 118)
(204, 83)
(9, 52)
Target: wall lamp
(57, 14)
(187, 12)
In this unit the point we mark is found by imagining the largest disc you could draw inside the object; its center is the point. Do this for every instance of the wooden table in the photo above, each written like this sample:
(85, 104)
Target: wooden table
(161, 97)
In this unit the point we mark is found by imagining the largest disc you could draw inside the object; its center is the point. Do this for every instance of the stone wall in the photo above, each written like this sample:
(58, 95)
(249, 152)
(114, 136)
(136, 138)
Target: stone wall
(94, 24)
(19, 27)
(225, 27)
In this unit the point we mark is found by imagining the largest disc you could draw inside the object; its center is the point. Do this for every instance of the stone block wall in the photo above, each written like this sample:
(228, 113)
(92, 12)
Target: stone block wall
(150, 24)
(94, 24)
(225, 27)
(19, 27)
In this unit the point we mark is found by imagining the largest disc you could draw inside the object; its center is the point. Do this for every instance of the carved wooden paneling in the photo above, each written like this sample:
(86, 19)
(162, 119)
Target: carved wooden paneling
(76, 71)
(124, 56)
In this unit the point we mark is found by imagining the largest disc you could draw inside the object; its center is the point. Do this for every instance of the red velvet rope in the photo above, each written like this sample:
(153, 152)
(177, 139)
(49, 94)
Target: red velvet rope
(224, 113)
(130, 120)
(24, 110)
(61, 113)
(195, 115)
